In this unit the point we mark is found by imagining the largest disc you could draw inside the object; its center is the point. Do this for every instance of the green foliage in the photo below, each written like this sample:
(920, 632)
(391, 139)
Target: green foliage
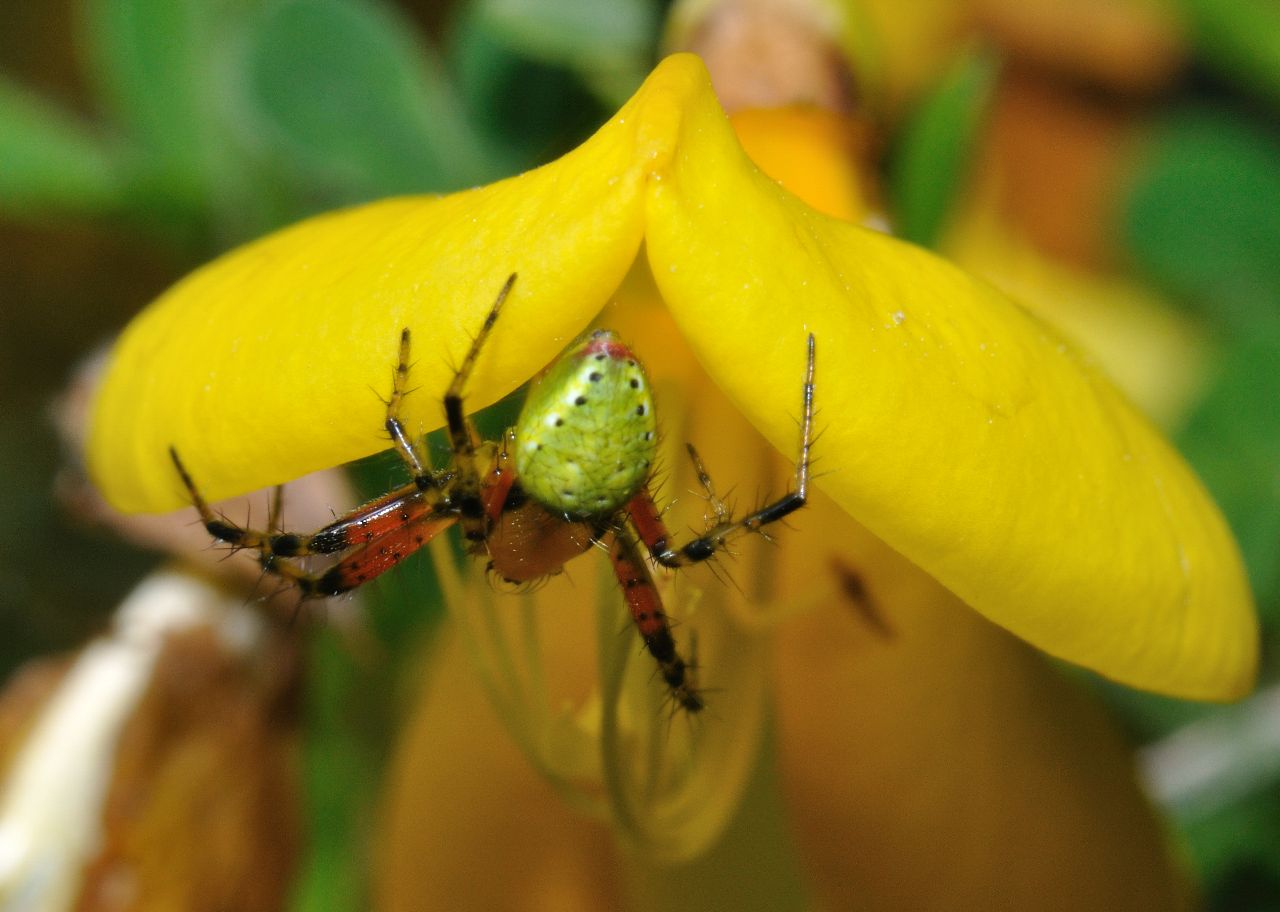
(1241, 838)
(1241, 38)
(343, 92)
(517, 100)
(52, 161)
(1201, 220)
(608, 45)
(935, 151)
(1233, 440)
(227, 118)
(159, 68)
(1200, 216)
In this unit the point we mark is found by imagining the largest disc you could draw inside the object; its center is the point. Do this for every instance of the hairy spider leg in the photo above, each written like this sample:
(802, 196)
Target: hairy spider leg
(359, 526)
(718, 506)
(647, 518)
(465, 490)
(646, 611)
(411, 453)
(371, 559)
(382, 533)
(496, 489)
(383, 529)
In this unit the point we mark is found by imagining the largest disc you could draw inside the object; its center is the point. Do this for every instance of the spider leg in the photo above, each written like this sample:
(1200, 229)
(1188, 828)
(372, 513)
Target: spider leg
(718, 506)
(466, 488)
(646, 611)
(410, 451)
(497, 486)
(648, 521)
(275, 509)
(371, 559)
(364, 524)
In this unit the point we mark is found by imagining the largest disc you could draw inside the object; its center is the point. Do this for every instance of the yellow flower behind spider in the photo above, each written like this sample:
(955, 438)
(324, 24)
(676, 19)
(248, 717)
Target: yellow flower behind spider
(956, 428)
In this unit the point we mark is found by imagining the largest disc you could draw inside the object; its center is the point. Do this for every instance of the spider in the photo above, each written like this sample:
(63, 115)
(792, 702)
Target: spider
(574, 472)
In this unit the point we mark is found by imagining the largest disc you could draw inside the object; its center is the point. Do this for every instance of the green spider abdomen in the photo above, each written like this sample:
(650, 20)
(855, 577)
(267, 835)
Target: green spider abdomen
(586, 437)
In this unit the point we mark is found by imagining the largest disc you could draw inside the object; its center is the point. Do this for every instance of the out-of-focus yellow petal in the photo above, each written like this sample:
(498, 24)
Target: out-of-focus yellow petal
(810, 151)
(929, 740)
(455, 775)
(956, 428)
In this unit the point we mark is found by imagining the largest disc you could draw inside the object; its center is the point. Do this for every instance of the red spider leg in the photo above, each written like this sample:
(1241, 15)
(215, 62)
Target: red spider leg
(368, 560)
(497, 485)
(363, 524)
(646, 611)
(653, 531)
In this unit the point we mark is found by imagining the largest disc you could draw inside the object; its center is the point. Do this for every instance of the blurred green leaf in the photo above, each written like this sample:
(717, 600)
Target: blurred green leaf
(532, 108)
(1233, 440)
(1252, 885)
(345, 91)
(1201, 218)
(156, 64)
(355, 702)
(935, 151)
(1241, 38)
(342, 774)
(1242, 835)
(50, 161)
(1146, 716)
(608, 45)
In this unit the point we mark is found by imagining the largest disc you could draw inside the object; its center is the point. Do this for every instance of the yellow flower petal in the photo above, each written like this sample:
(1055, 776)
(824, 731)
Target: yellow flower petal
(956, 428)
(809, 150)
(963, 433)
(268, 363)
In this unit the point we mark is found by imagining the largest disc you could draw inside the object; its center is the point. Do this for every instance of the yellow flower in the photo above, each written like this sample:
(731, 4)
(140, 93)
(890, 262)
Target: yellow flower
(956, 429)
(928, 759)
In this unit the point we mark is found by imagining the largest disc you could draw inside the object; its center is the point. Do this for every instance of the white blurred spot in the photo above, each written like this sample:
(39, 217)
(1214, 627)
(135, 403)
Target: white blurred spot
(51, 809)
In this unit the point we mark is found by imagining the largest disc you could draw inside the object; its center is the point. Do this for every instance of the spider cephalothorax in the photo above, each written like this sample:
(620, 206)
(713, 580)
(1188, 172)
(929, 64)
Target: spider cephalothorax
(573, 472)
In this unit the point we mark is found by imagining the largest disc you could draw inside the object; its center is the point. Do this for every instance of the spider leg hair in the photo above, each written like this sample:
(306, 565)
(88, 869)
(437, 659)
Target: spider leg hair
(411, 452)
(369, 560)
(653, 530)
(466, 487)
(386, 514)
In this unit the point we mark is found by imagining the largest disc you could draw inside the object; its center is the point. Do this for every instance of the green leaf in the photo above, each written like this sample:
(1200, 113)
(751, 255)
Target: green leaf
(936, 148)
(1241, 38)
(1233, 441)
(1200, 217)
(355, 702)
(610, 46)
(1241, 836)
(49, 160)
(151, 61)
(164, 70)
(342, 90)
(530, 107)
(342, 774)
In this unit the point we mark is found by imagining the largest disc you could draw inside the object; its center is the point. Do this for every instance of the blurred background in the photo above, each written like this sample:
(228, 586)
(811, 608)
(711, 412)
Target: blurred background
(1115, 164)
